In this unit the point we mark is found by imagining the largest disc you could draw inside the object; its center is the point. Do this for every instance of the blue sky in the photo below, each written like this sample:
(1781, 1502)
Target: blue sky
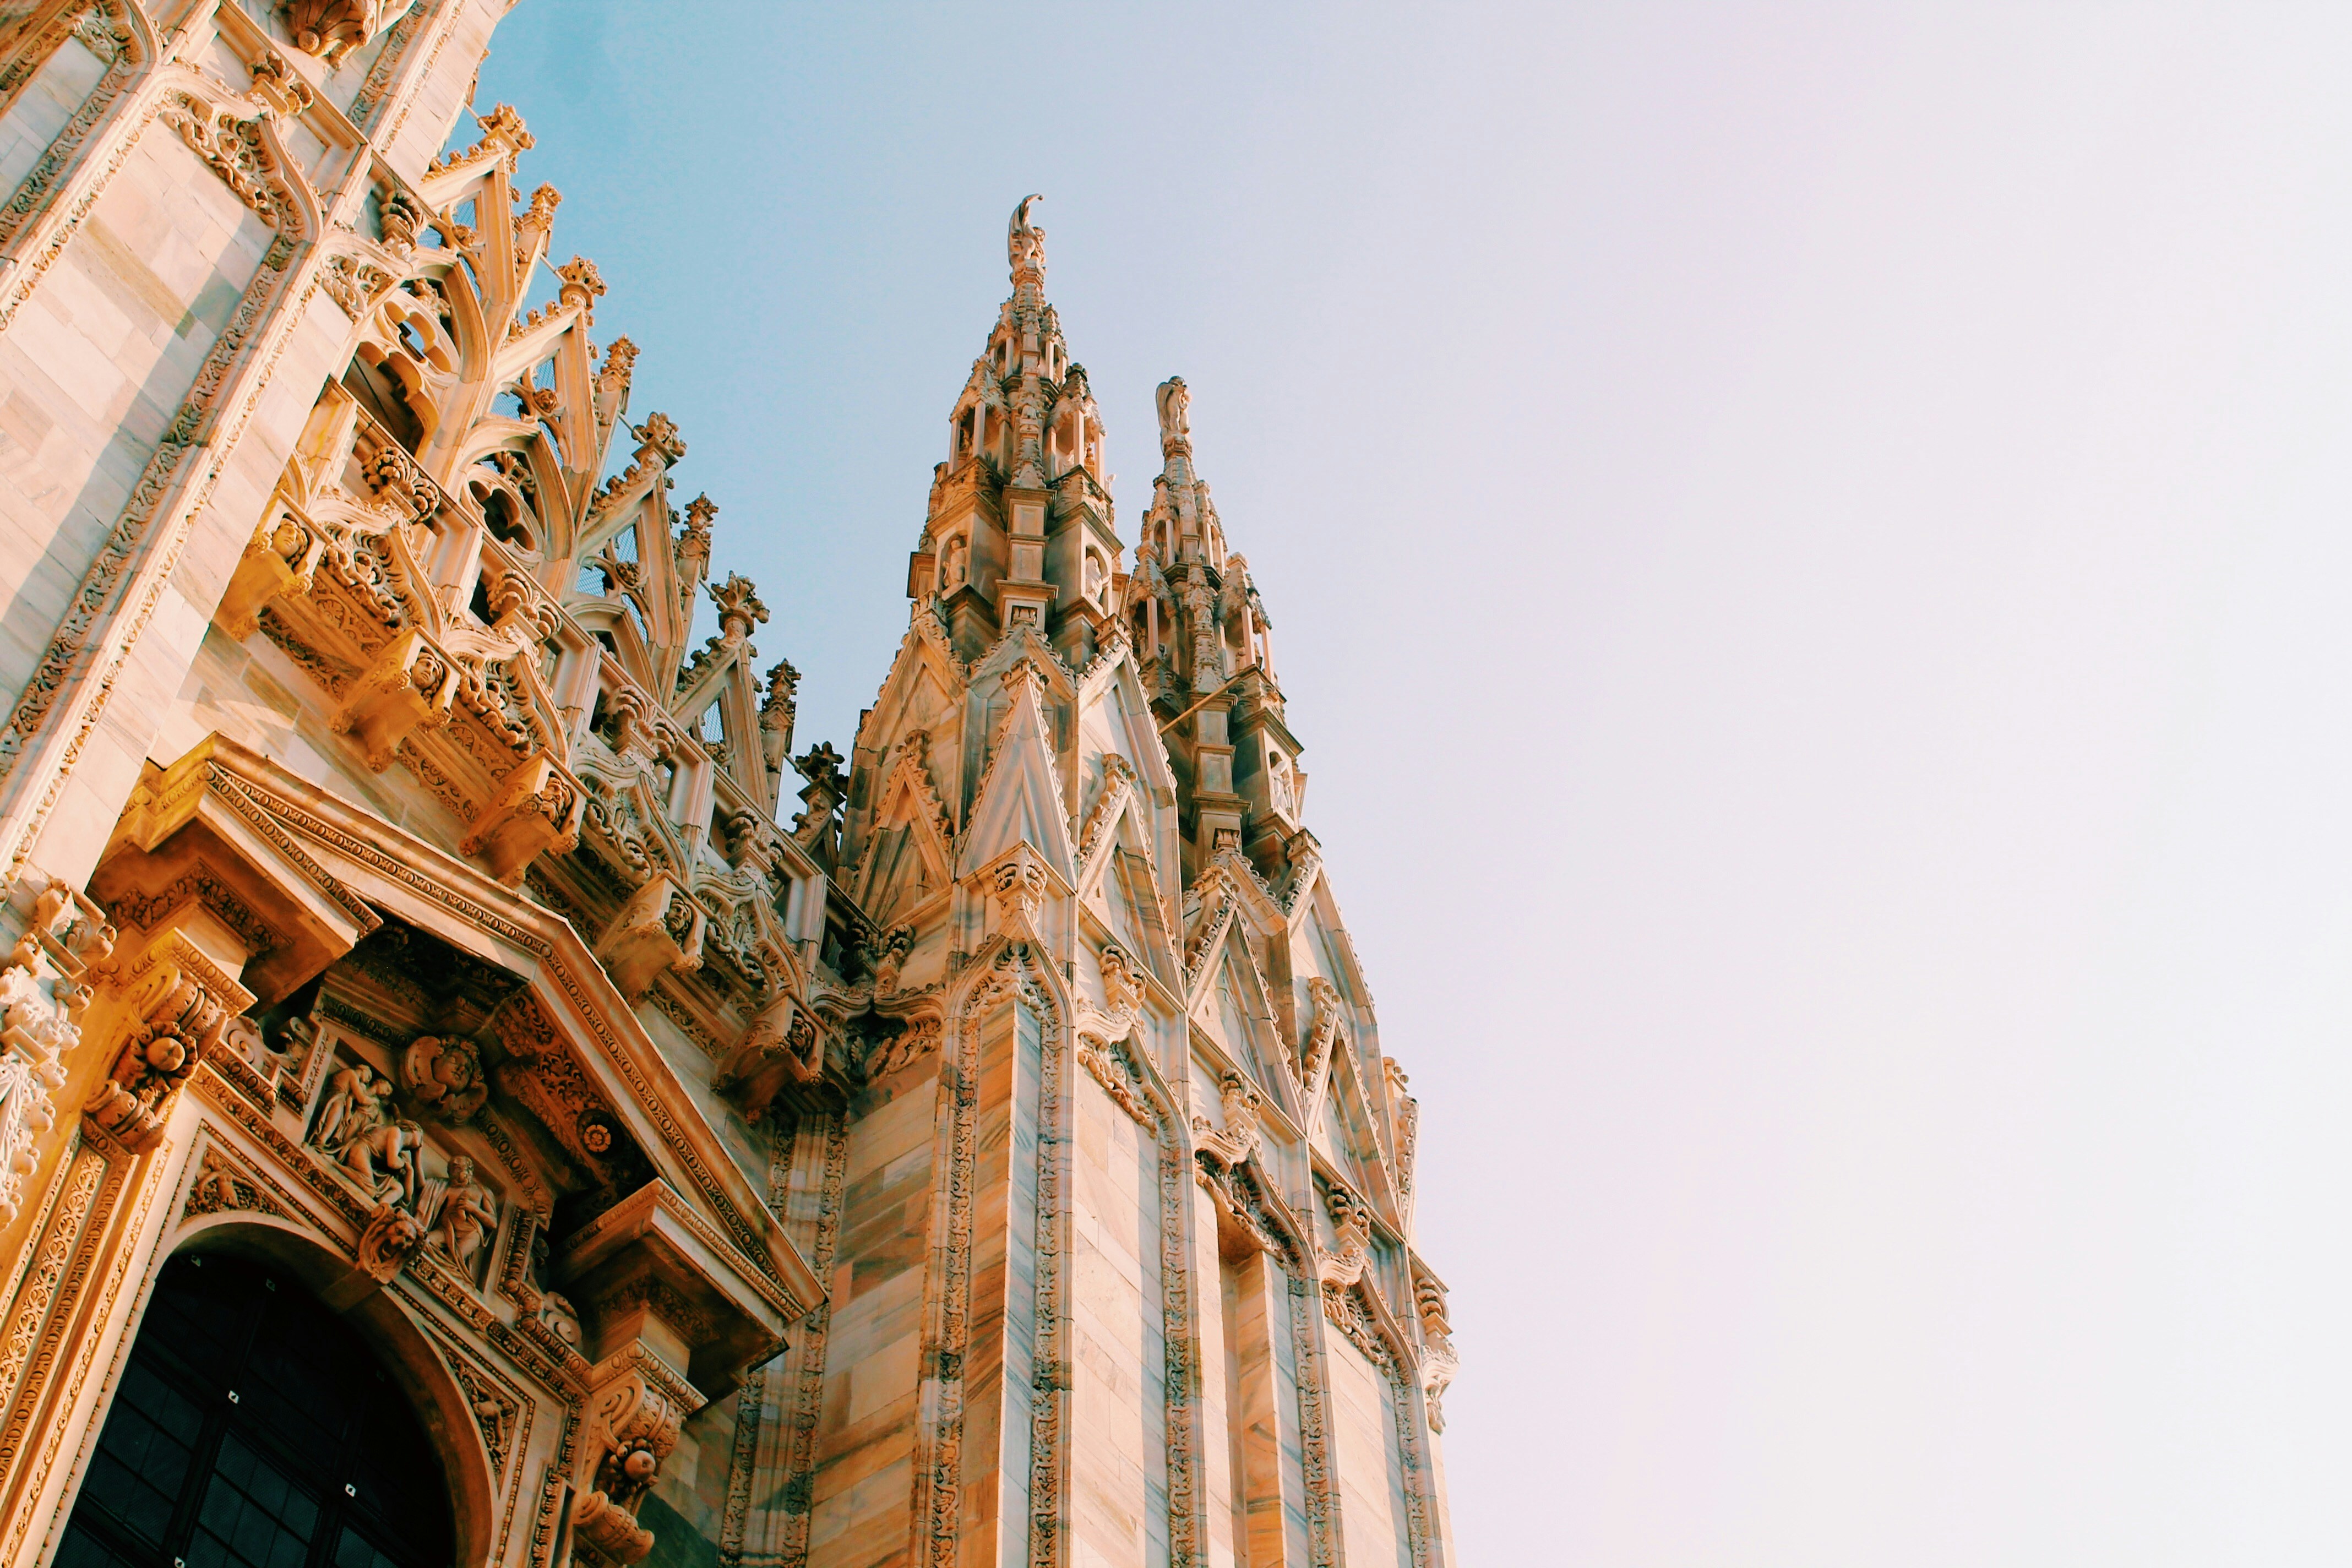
(1808, 547)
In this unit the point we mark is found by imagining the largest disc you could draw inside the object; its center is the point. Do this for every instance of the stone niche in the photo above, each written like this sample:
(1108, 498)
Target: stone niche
(380, 1121)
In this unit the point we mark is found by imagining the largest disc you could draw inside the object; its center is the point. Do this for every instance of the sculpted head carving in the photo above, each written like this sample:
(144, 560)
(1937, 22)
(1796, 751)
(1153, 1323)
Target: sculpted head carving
(445, 1074)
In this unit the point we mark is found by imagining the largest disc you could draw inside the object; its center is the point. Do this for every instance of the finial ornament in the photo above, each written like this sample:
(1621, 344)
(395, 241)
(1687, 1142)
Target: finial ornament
(1024, 247)
(1175, 408)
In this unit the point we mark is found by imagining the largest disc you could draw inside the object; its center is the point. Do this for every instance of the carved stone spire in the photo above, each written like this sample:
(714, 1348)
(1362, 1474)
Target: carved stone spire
(1025, 459)
(1208, 660)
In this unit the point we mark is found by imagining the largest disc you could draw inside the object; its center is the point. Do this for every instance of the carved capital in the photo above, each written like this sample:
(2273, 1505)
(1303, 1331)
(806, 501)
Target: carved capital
(278, 89)
(1242, 1133)
(918, 1040)
(1017, 885)
(781, 1046)
(1342, 1264)
(1122, 980)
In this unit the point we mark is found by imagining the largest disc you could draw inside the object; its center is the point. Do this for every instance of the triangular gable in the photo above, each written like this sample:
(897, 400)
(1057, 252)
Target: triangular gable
(921, 685)
(1020, 798)
(1314, 920)
(1118, 717)
(1123, 893)
(1343, 1131)
(1342, 1124)
(909, 855)
(1229, 1000)
(1244, 1020)
(1114, 799)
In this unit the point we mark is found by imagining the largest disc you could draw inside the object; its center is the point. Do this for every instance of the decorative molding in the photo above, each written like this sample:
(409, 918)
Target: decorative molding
(939, 1441)
(1050, 1369)
(112, 42)
(742, 1237)
(233, 149)
(370, 97)
(97, 599)
(1116, 1065)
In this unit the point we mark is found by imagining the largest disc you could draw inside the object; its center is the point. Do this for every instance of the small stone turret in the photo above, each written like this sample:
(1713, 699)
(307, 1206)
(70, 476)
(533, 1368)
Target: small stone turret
(1207, 654)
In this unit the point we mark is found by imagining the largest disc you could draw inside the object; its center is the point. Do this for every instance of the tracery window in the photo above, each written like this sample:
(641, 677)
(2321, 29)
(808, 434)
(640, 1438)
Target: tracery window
(254, 1429)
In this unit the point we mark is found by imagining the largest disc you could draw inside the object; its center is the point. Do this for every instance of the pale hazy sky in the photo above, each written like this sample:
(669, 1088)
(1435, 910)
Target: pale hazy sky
(1811, 551)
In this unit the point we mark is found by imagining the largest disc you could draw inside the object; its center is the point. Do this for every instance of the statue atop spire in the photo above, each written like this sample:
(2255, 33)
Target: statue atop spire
(1024, 247)
(1175, 423)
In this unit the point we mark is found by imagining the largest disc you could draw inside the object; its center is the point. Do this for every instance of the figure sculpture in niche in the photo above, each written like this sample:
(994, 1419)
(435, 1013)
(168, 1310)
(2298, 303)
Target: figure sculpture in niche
(1201, 607)
(355, 1106)
(384, 1162)
(468, 1215)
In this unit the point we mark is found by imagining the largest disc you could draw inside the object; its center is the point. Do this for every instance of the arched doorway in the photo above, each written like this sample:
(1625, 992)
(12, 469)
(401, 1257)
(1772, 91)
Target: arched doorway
(255, 1429)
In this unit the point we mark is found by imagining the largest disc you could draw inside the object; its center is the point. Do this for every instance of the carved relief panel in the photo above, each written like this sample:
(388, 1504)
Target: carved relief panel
(382, 1124)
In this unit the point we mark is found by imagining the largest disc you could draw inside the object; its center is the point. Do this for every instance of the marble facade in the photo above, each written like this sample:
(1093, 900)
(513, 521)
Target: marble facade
(975, 1148)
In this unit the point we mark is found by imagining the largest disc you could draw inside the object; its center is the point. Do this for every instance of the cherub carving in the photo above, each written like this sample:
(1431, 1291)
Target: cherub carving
(446, 1073)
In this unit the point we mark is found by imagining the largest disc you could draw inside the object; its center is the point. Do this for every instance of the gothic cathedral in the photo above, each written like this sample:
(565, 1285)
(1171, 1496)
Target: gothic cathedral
(448, 1115)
